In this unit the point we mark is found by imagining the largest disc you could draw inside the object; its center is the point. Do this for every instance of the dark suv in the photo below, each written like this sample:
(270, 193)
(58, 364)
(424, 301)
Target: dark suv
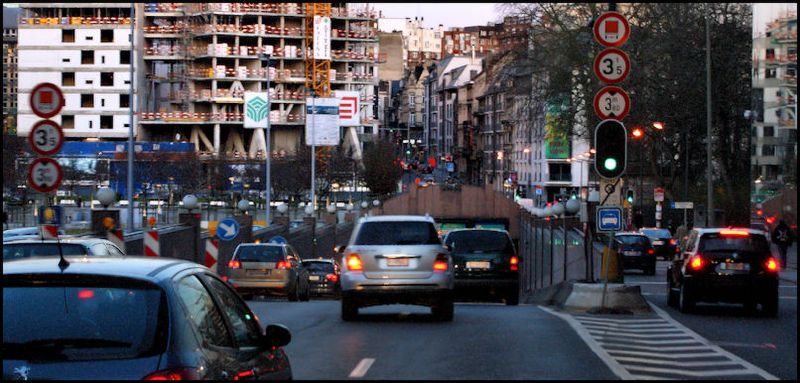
(484, 262)
(637, 252)
(662, 242)
(725, 265)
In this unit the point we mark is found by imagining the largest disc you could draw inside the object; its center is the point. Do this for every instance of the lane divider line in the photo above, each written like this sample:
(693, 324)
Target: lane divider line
(362, 367)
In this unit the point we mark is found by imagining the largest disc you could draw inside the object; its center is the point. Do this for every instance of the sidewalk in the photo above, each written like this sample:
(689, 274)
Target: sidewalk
(790, 274)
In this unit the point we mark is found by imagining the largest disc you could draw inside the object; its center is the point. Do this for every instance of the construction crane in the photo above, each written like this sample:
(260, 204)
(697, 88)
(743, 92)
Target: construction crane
(318, 81)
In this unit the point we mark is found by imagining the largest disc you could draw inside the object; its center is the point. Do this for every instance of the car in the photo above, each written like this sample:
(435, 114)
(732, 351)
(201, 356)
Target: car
(323, 276)
(26, 248)
(396, 259)
(267, 268)
(637, 252)
(762, 226)
(733, 265)
(130, 318)
(484, 261)
(25, 232)
(665, 246)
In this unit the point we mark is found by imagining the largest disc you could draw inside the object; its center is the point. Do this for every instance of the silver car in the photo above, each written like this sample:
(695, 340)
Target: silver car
(396, 260)
(267, 268)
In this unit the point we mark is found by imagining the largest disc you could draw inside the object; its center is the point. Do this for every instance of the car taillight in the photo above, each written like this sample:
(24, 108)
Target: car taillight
(85, 294)
(734, 233)
(284, 265)
(332, 277)
(672, 242)
(651, 251)
(772, 264)
(441, 263)
(234, 264)
(514, 263)
(696, 262)
(354, 263)
(173, 374)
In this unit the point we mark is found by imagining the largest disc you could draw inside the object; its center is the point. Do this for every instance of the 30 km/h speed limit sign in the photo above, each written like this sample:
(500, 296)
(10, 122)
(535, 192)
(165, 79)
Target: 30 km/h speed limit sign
(46, 100)
(46, 138)
(612, 103)
(612, 66)
(44, 175)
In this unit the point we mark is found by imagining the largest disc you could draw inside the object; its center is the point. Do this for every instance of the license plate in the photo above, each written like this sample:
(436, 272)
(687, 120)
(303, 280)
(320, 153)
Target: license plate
(478, 265)
(258, 272)
(658, 242)
(313, 277)
(631, 253)
(396, 261)
(734, 266)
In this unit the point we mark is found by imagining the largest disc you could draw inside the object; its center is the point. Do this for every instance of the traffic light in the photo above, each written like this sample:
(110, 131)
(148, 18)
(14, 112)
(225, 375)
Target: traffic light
(629, 197)
(611, 144)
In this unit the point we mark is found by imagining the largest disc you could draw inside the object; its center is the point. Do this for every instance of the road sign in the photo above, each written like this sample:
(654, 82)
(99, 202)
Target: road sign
(611, 29)
(612, 103)
(683, 205)
(612, 66)
(611, 149)
(50, 215)
(658, 194)
(609, 218)
(227, 229)
(278, 239)
(46, 100)
(46, 138)
(44, 175)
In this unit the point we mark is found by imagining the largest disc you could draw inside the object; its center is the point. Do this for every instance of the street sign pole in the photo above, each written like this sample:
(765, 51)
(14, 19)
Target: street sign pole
(313, 151)
(130, 129)
(268, 195)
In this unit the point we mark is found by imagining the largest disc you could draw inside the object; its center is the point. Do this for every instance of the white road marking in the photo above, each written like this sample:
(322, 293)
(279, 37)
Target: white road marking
(676, 357)
(676, 363)
(362, 367)
(647, 283)
(634, 335)
(665, 331)
(623, 321)
(790, 298)
(654, 348)
(618, 340)
(754, 345)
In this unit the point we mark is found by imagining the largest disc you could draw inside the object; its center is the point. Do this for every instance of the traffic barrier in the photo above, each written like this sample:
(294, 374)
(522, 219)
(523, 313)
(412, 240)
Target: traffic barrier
(49, 232)
(117, 238)
(151, 248)
(212, 252)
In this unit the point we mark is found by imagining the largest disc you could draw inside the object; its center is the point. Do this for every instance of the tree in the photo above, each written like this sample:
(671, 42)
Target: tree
(382, 170)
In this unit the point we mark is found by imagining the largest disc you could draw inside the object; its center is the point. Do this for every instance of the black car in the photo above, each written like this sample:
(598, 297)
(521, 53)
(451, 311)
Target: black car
(484, 262)
(323, 276)
(637, 252)
(662, 241)
(127, 318)
(725, 265)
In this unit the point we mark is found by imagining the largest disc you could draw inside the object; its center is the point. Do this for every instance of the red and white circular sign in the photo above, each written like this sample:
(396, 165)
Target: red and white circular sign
(46, 138)
(611, 29)
(612, 66)
(46, 100)
(612, 103)
(44, 175)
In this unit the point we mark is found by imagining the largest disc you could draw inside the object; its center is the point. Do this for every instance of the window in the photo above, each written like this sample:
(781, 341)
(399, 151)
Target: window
(202, 312)
(102, 102)
(770, 73)
(87, 101)
(245, 328)
(87, 57)
(768, 150)
(106, 122)
(107, 79)
(67, 78)
(770, 54)
(107, 36)
(68, 36)
(769, 131)
(124, 101)
(67, 122)
(124, 57)
(99, 249)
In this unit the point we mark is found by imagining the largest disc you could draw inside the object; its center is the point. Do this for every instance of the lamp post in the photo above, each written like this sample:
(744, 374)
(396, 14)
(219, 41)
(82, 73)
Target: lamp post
(267, 152)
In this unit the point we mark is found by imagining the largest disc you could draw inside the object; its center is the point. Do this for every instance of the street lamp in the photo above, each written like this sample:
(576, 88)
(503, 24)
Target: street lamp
(268, 182)
(283, 208)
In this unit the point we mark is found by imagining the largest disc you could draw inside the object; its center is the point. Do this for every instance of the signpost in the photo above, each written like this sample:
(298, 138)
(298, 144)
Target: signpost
(46, 138)
(46, 100)
(611, 29)
(612, 103)
(612, 66)
(44, 175)
(609, 218)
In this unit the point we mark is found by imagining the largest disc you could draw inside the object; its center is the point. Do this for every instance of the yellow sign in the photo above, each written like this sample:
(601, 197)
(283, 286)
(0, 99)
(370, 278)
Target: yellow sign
(108, 222)
(49, 214)
(212, 228)
(260, 223)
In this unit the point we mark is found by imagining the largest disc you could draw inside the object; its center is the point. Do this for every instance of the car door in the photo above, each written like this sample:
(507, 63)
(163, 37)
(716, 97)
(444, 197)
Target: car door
(254, 361)
(301, 274)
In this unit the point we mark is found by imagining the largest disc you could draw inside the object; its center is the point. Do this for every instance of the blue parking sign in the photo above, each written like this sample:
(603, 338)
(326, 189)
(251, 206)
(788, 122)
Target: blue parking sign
(609, 218)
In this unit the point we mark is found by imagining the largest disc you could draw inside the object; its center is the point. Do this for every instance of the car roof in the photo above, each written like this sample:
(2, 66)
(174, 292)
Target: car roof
(475, 229)
(146, 268)
(631, 233)
(394, 218)
(68, 240)
(317, 260)
(264, 244)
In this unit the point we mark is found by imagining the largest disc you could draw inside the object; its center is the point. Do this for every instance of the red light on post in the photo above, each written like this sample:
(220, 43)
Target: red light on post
(637, 132)
(658, 125)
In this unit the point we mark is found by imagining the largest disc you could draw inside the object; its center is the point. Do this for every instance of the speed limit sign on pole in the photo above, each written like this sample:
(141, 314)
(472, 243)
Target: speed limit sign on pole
(612, 103)
(44, 175)
(46, 138)
(46, 100)
(612, 65)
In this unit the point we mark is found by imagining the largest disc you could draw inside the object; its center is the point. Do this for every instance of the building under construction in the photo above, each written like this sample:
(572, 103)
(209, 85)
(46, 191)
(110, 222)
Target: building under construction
(200, 58)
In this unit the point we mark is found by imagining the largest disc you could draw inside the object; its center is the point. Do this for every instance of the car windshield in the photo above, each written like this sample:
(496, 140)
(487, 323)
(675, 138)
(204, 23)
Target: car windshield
(81, 321)
(318, 266)
(259, 254)
(13, 251)
(633, 239)
(728, 243)
(397, 233)
(657, 233)
(483, 241)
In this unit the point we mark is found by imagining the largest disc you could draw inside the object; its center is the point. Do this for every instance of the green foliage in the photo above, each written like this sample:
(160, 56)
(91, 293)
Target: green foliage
(382, 171)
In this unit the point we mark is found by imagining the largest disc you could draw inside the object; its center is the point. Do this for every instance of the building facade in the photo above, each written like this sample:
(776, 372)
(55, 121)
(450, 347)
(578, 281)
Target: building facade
(9, 68)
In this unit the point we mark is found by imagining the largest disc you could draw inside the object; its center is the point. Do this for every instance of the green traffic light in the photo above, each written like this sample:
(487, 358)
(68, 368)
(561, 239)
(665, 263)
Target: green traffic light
(610, 164)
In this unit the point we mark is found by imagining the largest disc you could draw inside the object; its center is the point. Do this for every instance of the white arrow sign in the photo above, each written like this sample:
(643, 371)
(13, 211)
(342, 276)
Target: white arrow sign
(229, 230)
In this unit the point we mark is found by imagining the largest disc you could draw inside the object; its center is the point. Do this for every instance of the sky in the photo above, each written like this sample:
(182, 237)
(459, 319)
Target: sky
(766, 12)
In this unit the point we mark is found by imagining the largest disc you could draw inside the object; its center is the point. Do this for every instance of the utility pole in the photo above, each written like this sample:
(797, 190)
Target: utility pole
(710, 177)
(268, 181)
(130, 129)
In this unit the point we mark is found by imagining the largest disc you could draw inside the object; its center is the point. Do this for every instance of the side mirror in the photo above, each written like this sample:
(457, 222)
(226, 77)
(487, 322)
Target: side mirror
(340, 249)
(277, 335)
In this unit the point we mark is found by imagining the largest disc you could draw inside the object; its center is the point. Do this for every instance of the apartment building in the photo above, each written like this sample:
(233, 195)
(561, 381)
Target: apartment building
(9, 68)
(85, 48)
(421, 44)
(410, 109)
(481, 39)
(774, 128)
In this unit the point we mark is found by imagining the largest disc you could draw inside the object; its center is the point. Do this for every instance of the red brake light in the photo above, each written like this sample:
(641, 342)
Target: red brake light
(772, 264)
(514, 262)
(651, 252)
(441, 263)
(696, 262)
(737, 233)
(284, 265)
(672, 242)
(234, 264)
(173, 374)
(354, 263)
(332, 277)
(85, 294)
(224, 278)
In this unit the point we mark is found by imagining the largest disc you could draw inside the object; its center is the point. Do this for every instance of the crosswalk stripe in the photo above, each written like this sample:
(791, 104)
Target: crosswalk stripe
(650, 342)
(623, 321)
(639, 326)
(696, 374)
(676, 363)
(634, 335)
(634, 331)
(678, 357)
(659, 348)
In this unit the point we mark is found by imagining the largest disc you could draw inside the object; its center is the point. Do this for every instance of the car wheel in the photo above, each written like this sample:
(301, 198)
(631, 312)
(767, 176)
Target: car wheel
(512, 299)
(349, 309)
(444, 310)
(672, 295)
(294, 293)
(685, 302)
(307, 295)
(769, 306)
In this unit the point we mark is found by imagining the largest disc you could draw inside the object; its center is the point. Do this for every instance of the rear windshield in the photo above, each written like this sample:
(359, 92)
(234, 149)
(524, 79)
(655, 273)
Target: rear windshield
(25, 250)
(749, 243)
(657, 233)
(319, 266)
(633, 239)
(474, 241)
(397, 233)
(259, 254)
(82, 321)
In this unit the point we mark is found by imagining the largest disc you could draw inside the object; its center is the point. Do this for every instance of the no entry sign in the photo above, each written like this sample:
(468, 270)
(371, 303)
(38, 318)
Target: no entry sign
(44, 175)
(612, 103)
(46, 100)
(46, 138)
(612, 66)
(611, 29)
